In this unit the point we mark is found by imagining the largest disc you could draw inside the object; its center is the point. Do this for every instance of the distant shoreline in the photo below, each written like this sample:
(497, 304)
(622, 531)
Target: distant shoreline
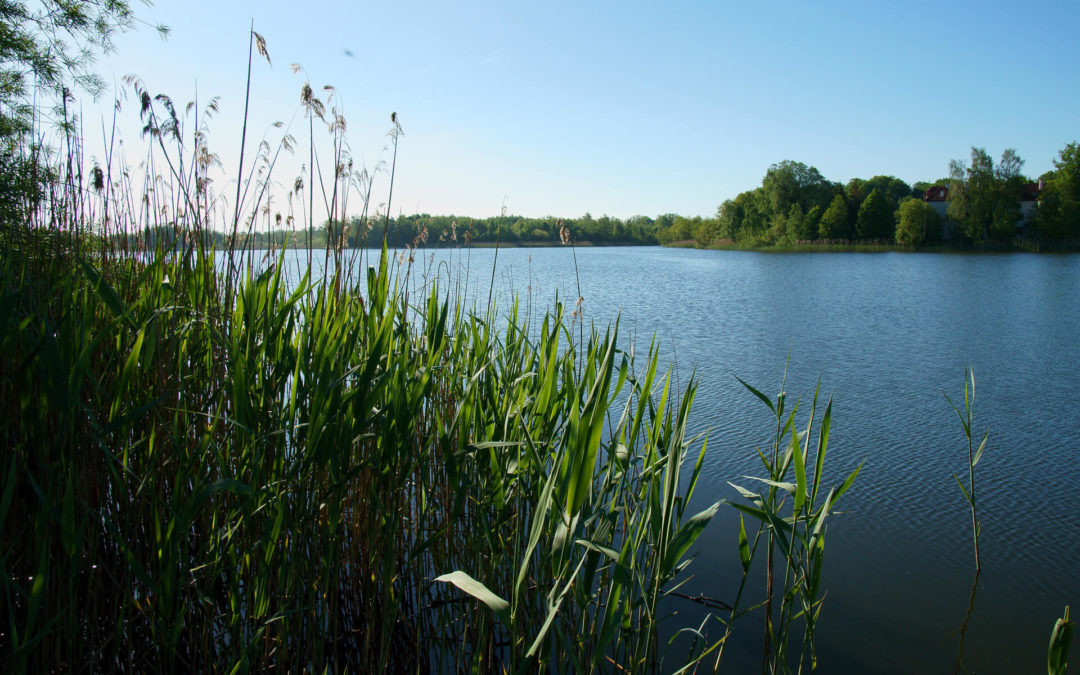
(481, 244)
(728, 245)
(884, 247)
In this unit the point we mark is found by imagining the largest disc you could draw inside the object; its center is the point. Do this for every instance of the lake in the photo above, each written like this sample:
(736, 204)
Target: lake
(887, 334)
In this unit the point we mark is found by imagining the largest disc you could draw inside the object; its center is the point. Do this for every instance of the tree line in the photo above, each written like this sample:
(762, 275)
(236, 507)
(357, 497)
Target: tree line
(795, 205)
(450, 231)
(985, 202)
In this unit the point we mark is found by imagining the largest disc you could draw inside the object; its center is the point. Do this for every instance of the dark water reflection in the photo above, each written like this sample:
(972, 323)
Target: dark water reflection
(886, 333)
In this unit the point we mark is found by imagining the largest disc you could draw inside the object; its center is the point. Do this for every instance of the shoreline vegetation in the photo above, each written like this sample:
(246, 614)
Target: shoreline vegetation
(211, 469)
(217, 469)
(168, 238)
(1019, 246)
(978, 208)
(798, 247)
(981, 206)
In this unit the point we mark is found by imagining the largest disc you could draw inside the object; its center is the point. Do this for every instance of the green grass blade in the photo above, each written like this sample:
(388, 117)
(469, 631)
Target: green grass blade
(982, 446)
(755, 392)
(744, 546)
(1057, 656)
(685, 537)
(480, 592)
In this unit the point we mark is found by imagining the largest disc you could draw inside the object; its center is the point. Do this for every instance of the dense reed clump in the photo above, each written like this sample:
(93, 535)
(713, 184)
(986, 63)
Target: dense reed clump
(217, 462)
(214, 466)
(278, 482)
(282, 482)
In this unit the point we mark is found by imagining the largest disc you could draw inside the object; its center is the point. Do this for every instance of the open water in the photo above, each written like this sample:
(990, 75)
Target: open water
(887, 334)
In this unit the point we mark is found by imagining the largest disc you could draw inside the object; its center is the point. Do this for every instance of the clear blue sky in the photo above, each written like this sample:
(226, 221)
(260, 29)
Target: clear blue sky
(626, 108)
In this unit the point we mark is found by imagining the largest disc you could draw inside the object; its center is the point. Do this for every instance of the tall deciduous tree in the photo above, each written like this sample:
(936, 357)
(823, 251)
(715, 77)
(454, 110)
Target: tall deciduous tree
(983, 200)
(917, 222)
(53, 43)
(1058, 217)
(808, 228)
(705, 232)
(891, 187)
(790, 183)
(47, 49)
(834, 222)
(875, 218)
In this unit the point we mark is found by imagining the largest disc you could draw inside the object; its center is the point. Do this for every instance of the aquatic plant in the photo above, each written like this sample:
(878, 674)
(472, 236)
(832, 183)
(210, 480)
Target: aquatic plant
(1057, 655)
(217, 465)
(973, 454)
(791, 524)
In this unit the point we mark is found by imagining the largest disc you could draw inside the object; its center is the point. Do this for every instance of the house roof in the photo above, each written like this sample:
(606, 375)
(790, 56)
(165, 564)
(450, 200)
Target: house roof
(940, 193)
(937, 193)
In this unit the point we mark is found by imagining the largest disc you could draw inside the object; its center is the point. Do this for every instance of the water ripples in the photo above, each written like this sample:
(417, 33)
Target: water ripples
(886, 334)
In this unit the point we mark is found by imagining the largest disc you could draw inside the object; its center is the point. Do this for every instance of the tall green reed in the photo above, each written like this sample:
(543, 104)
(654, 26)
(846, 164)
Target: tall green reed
(791, 525)
(973, 455)
(216, 467)
(1057, 655)
(606, 531)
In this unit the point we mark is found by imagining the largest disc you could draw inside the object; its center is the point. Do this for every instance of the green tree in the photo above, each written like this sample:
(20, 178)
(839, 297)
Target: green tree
(875, 219)
(605, 227)
(745, 215)
(726, 219)
(983, 200)
(1004, 219)
(855, 193)
(641, 229)
(682, 229)
(790, 183)
(808, 228)
(53, 43)
(47, 50)
(673, 228)
(786, 228)
(834, 222)
(891, 187)
(971, 204)
(705, 231)
(1008, 189)
(1058, 215)
(917, 222)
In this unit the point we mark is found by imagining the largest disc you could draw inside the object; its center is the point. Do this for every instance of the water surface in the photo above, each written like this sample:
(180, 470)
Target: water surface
(887, 334)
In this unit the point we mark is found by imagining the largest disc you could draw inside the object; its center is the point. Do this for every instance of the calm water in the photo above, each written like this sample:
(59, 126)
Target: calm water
(887, 334)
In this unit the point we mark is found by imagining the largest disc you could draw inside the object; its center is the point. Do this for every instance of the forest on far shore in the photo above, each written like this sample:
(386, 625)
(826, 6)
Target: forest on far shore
(795, 205)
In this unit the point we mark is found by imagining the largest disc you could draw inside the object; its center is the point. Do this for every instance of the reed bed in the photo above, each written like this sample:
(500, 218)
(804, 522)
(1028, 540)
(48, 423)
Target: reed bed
(280, 482)
(212, 465)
